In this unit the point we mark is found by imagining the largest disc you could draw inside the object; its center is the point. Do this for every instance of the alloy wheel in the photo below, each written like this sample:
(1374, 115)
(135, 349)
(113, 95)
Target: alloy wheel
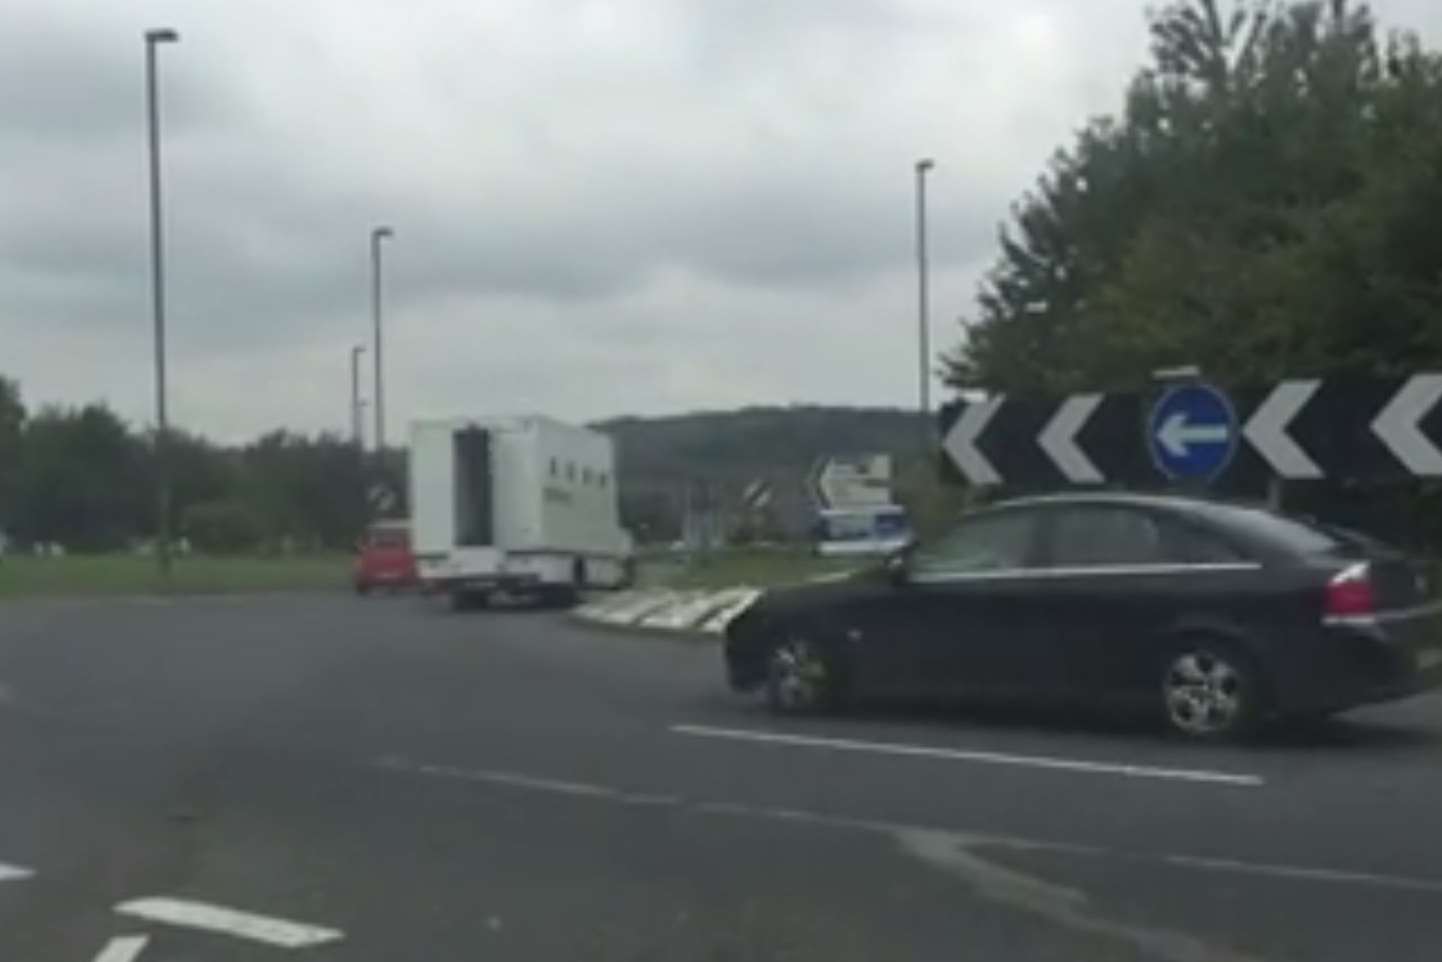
(799, 678)
(1206, 693)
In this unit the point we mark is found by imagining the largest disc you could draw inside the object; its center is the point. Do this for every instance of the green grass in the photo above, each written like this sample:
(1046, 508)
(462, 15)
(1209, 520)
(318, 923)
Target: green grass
(761, 568)
(80, 575)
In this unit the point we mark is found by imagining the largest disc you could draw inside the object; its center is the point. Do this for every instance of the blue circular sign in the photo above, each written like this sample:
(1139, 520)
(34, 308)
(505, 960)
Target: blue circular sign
(1192, 432)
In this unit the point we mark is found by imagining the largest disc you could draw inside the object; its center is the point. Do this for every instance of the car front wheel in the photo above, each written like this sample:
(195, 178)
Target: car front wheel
(801, 678)
(1210, 691)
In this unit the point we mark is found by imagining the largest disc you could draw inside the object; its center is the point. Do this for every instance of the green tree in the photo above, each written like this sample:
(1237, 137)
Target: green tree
(12, 432)
(83, 480)
(310, 492)
(1261, 207)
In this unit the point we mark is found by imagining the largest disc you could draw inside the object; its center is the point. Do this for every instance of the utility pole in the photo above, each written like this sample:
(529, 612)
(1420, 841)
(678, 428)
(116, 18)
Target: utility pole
(355, 399)
(923, 307)
(154, 38)
(377, 235)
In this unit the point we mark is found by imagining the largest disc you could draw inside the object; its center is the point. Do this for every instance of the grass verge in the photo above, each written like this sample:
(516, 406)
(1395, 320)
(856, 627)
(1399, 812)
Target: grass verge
(80, 575)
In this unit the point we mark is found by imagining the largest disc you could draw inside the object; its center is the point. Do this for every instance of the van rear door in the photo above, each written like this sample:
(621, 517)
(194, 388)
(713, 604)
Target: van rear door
(475, 517)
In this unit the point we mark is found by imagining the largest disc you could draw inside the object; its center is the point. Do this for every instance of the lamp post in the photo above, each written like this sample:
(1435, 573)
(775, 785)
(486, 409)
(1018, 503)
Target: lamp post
(377, 235)
(923, 295)
(153, 38)
(355, 400)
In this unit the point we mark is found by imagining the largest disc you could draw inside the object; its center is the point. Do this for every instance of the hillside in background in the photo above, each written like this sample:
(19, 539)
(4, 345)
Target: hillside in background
(704, 461)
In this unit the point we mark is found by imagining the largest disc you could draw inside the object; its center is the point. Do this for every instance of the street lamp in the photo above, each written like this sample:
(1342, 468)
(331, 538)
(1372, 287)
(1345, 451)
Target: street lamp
(355, 401)
(377, 235)
(922, 304)
(154, 38)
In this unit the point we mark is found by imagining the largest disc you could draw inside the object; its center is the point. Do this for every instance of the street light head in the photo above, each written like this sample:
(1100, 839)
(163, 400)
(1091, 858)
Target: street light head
(925, 164)
(161, 35)
(380, 232)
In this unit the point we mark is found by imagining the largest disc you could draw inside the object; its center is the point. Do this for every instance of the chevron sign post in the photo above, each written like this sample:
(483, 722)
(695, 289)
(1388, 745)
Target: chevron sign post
(1299, 430)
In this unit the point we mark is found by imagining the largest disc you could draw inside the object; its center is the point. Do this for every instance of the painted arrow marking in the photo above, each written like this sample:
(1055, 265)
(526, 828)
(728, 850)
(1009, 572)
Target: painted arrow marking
(1058, 439)
(126, 948)
(960, 442)
(1177, 434)
(242, 925)
(1397, 425)
(14, 873)
(1267, 430)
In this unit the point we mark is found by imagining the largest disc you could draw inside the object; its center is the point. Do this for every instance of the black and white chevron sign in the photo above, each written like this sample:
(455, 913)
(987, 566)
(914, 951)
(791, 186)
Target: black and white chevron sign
(1303, 429)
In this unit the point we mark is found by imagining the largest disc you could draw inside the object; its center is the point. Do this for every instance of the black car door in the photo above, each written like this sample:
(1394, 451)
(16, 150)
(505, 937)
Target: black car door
(961, 619)
(1121, 578)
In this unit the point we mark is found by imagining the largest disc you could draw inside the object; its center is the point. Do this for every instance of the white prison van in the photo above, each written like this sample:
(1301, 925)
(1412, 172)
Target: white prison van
(522, 505)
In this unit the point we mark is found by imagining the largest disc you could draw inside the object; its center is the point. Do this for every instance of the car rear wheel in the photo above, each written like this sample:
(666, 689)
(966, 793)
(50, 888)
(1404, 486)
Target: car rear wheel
(1211, 691)
(801, 678)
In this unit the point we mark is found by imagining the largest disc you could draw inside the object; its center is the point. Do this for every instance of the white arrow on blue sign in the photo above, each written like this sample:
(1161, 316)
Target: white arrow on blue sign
(1192, 432)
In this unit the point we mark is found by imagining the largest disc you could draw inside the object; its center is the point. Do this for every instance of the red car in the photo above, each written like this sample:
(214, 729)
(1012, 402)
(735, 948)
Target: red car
(384, 558)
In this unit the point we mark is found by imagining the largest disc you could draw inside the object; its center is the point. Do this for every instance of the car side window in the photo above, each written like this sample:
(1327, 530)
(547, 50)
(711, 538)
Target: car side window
(995, 542)
(1190, 544)
(1096, 536)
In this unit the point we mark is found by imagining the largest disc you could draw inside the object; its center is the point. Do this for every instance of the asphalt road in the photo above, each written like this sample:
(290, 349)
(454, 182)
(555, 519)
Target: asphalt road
(327, 778)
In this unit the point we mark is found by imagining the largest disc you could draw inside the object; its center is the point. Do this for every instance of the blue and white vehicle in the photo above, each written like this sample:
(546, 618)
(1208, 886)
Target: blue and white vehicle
(867, 531)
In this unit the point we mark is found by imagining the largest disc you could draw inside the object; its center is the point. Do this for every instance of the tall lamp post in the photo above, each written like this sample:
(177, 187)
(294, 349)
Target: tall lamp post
(923, 307)
(355, 400)
(153, 38)
(377, 235)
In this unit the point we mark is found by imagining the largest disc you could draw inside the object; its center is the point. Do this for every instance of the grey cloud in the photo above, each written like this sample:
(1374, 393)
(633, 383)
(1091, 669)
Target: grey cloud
(61, 85)
(580, 191)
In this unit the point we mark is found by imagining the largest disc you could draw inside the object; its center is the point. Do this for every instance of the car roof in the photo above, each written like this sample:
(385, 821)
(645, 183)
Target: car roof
(1250, 521)
(1126, 498)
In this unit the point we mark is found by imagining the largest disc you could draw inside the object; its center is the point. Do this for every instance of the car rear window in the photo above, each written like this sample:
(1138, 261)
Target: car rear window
(1290, 534)
(388, 539)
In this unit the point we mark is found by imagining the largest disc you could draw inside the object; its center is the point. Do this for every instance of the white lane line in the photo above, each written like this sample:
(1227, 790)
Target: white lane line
(1305, 874)
(125, 948)
(967, 755)
(14, 873)
(975, 840)
(226, 921)
(555, 786)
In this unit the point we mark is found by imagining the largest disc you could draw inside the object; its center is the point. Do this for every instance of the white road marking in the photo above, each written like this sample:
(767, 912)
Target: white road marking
(1302, 873)
(225, 921)
(555, 786)
(14, 873)
(974, 840)
(125, 948)
(967, 755)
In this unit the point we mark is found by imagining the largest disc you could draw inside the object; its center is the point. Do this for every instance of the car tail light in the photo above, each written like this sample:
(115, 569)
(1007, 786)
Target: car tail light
(1350, 596)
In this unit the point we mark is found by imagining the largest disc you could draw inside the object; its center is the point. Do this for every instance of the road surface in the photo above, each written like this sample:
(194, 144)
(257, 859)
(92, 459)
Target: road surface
(328, 778)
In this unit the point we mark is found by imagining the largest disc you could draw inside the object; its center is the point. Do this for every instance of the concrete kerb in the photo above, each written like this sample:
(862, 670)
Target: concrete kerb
(695, 613)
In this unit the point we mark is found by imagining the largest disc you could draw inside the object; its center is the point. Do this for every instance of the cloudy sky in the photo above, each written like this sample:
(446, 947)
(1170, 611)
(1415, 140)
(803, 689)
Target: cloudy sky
(601, 206)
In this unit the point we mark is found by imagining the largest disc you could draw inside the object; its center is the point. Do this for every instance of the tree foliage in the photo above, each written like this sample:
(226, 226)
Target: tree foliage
(81, 478)
(1265, 205)
(12, 428)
